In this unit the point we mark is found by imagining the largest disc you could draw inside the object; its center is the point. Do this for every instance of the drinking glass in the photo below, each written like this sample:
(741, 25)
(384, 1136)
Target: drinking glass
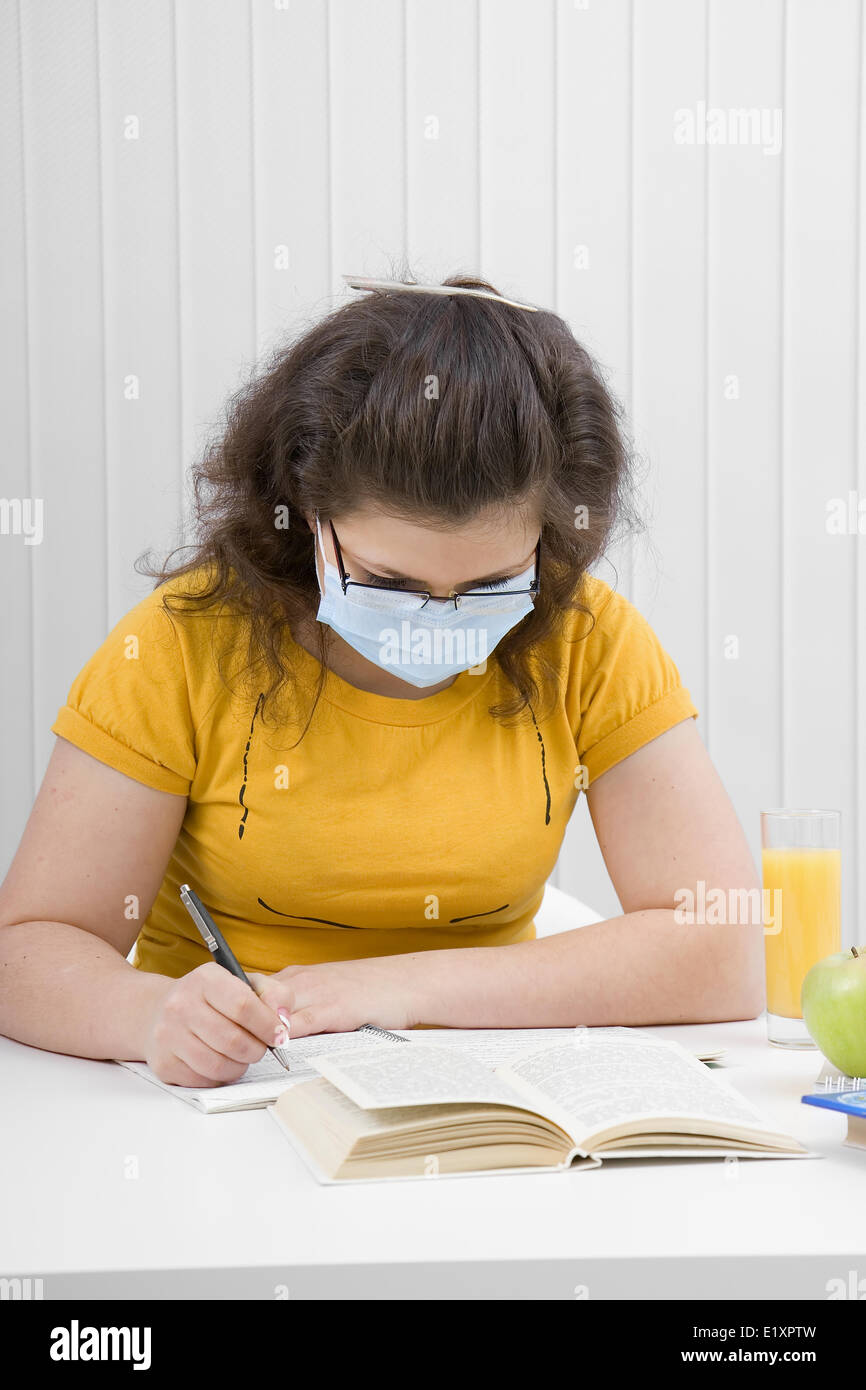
(802, 910)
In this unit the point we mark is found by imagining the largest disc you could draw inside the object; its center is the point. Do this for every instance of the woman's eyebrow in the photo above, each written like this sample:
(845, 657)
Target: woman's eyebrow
(410, 579)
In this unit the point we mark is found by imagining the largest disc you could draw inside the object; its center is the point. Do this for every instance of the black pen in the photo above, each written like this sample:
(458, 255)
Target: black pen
(217, 944)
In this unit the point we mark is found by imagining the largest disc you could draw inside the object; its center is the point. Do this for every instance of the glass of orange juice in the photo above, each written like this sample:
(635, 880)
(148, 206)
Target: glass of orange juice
(801, 861)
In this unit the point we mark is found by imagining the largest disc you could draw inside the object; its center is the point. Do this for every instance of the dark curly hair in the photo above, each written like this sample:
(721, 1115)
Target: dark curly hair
(340, 417)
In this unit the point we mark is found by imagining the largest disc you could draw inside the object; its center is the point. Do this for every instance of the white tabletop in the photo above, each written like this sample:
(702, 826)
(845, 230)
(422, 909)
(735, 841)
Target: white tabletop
(222, 1207)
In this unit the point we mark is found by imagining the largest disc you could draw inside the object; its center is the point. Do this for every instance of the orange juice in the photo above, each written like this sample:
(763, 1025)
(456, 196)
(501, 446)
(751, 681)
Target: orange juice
(809, 881)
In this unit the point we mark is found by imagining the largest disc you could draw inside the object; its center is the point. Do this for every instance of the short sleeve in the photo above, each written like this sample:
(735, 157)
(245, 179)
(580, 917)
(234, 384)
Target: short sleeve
(129, 706)
(629, 689)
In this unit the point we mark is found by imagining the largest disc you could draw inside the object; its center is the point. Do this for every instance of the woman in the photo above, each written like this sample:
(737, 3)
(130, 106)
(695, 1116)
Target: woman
(357, 719)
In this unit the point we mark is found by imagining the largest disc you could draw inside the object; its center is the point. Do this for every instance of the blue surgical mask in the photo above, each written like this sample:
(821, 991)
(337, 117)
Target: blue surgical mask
(424, 647)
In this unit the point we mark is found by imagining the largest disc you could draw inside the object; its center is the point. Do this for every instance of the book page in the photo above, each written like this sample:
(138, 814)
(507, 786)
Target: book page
(456, 1070)
(496, 1047)
(385, 1078)
(592, 1085)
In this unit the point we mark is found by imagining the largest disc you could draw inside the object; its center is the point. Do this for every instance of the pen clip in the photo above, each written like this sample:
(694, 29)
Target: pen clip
(189, 899)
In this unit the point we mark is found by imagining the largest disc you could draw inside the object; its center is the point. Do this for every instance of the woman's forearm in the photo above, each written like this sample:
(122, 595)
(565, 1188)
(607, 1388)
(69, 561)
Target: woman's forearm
(642, 968)
(65, 990)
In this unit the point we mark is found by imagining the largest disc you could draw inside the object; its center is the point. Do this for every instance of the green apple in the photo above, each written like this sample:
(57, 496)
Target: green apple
(833, 1002)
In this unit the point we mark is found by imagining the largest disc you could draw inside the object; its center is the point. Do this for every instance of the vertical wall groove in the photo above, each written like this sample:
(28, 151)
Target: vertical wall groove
(858, 869)
(329, 117)
(554, 182)
(183, 461)
(107, 386)
(26, 589)
(257, 250)
(710, 636)
(783, 432)
(404, 45)
(630, 543)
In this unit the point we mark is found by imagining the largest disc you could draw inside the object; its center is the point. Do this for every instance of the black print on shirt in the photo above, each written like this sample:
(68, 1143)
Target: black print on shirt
(298, 918)
(543, 771)
(242, 791)
(351, 927)
(479, 914)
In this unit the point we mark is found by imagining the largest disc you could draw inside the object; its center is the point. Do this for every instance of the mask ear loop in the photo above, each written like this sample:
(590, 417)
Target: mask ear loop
(318, 535)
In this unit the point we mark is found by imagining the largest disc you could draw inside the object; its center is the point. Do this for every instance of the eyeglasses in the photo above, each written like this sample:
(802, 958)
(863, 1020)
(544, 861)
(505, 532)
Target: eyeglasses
(425, 594)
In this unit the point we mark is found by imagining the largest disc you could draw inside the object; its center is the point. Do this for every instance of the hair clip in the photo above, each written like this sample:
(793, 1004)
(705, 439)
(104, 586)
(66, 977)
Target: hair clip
(363, 282)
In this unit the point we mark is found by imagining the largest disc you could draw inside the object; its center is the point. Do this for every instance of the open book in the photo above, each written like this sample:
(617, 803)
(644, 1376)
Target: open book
(264, 1081)
(437, 1110)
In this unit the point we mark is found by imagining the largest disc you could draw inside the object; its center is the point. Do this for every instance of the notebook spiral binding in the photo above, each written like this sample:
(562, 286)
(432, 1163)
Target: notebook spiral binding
(381, 1032)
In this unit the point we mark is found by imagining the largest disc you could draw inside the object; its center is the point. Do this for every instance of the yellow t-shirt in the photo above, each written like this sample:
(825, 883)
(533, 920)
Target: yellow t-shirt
(394, 825)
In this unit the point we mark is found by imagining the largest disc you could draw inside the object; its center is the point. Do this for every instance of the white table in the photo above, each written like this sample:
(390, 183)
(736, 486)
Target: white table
(223, 1208)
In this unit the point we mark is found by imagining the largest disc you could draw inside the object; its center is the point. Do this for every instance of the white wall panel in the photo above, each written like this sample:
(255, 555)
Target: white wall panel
(367, 41)
(670, 329)
(442, 135)
(291, 166)
(857, 813)
(16, 561)
(140, 288)
(66, 362)
(820, 267)
(215, 211)
(744, 455)
(517, 161)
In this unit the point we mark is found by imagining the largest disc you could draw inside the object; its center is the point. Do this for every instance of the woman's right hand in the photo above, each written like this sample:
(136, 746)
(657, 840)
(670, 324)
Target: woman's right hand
(207, 1029)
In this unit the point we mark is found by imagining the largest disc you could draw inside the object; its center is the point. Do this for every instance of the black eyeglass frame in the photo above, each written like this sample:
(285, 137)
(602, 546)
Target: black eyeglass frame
(534, 586)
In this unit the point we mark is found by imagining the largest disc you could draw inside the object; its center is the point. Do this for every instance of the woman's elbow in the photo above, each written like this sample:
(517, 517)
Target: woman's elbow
(737, 977)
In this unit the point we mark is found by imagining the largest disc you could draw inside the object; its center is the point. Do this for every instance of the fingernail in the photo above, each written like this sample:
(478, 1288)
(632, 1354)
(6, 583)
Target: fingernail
(283, 1014)
(281, 1037)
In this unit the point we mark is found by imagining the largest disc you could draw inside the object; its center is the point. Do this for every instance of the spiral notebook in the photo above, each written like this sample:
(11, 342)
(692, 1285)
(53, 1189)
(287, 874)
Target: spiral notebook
(264, 1081)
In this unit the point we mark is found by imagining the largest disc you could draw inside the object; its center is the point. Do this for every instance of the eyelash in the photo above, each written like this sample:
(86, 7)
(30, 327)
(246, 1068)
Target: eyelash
(399, 583)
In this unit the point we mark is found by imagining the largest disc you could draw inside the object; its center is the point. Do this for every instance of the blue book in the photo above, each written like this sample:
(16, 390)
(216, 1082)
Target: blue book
(851, 1103)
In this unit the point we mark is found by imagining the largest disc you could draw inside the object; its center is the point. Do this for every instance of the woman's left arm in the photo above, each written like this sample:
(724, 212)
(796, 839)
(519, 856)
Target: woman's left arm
(667, 829)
